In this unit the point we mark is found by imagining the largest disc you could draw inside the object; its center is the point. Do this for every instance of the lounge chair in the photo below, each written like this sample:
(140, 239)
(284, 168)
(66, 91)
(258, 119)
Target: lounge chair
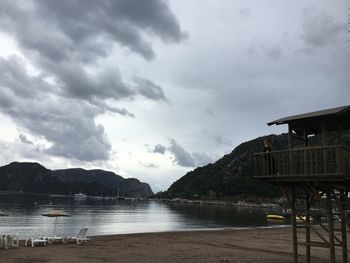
(9, 241)
(3, 241)
(53, 239)
(80, 238)
(35, 242)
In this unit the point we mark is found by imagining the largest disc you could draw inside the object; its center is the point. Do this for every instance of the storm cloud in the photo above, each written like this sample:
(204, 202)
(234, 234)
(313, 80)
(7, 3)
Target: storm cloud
(319, 28)
(24, 139)
(186, 159)
(60, 30)
(90, 83)
(65, 41)
(158, 148)
(149, 89)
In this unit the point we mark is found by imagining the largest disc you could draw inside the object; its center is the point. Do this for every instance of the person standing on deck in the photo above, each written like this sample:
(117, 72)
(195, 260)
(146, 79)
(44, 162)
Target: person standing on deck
(268, 157)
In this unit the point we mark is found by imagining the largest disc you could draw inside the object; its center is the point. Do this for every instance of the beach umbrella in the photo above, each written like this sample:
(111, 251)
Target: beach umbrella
(56, 213)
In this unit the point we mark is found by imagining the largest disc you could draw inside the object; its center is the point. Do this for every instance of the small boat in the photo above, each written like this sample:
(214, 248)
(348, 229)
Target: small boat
(80, 195)
(303, 218)
(275, 217)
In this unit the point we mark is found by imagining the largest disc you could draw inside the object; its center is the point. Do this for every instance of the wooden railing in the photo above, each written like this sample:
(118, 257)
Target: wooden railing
(309, 161)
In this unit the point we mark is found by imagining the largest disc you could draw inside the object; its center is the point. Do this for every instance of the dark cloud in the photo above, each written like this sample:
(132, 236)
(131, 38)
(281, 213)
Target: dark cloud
(181, 156)
(155, 16)
(274, 53)
(121, 111)
(83, 139)
(186, 159)
(149, 89)
(62, 37)
(76, 83)
(59, 29)
(67, 124)
(65, 42)
(159, 149)
(24, 139)
(320, 28)
(14, 78)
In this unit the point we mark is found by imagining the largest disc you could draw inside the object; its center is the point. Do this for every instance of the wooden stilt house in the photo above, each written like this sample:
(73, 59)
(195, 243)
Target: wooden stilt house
(314, 172)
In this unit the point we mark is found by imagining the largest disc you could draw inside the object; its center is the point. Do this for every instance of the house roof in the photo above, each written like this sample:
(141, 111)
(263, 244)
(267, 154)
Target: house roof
(312, 115)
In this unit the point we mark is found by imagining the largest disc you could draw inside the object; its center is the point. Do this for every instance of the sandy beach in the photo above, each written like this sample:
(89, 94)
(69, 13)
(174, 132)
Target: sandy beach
(246, 245)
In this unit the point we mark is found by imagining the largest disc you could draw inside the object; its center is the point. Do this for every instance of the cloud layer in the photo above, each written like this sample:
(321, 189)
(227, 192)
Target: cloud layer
(89, 83)
(182, 157)
(65, 42)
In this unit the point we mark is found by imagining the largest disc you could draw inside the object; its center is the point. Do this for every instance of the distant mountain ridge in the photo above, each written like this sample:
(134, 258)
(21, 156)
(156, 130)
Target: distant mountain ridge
(35, 178)
(232, 175)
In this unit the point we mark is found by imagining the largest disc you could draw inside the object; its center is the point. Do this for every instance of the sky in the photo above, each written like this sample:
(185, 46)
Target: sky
(153, 89)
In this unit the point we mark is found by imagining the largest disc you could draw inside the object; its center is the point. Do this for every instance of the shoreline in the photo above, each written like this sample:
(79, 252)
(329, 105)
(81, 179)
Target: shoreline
(239, 203)
(267, 204)
(199, 229)
(263, 245)
(184, 230)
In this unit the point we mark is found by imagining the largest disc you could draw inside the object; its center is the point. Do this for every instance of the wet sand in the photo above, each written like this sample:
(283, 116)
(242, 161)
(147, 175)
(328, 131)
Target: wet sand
(247, 245)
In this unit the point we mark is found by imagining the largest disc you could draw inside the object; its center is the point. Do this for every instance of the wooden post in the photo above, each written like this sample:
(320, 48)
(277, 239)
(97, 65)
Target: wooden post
(307, 232)
(340, 134)
(330, 227)
(294, 226)
(290, 146)
(324, 143)
(339, 152)
(338, 161)
(306, 142)
(290, 136)
(343, 196)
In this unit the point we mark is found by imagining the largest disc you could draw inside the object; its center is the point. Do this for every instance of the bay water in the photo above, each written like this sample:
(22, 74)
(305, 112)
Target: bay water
(104, 217)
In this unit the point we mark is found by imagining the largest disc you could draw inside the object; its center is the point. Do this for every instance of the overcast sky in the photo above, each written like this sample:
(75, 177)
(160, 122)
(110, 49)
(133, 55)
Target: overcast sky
(152, 89)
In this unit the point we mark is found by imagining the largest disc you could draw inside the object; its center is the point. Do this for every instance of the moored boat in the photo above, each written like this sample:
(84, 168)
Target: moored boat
(274, 217)
(80, 195)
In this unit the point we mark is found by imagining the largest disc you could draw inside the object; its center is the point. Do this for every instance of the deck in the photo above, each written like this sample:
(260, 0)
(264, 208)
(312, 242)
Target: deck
(322, 163)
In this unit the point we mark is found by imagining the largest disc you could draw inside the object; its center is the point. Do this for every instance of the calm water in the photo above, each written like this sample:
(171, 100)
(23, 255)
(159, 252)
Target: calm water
(117, 216)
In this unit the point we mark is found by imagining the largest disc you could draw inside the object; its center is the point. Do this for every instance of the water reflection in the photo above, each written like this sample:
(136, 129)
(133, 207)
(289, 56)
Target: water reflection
(216, 215)
(117, 216)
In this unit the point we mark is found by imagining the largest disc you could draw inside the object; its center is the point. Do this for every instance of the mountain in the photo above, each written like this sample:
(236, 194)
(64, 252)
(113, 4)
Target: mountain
(230, 176)
(35, 178)
(130, 187)
(28, 177)
(76, 175)
(134, 187)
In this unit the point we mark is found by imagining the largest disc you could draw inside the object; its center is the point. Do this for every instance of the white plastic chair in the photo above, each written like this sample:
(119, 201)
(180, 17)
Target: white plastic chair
(35, 241)
(53, 239)
(13, 241)
(80, 238)
(9, 241)
(3, 241)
